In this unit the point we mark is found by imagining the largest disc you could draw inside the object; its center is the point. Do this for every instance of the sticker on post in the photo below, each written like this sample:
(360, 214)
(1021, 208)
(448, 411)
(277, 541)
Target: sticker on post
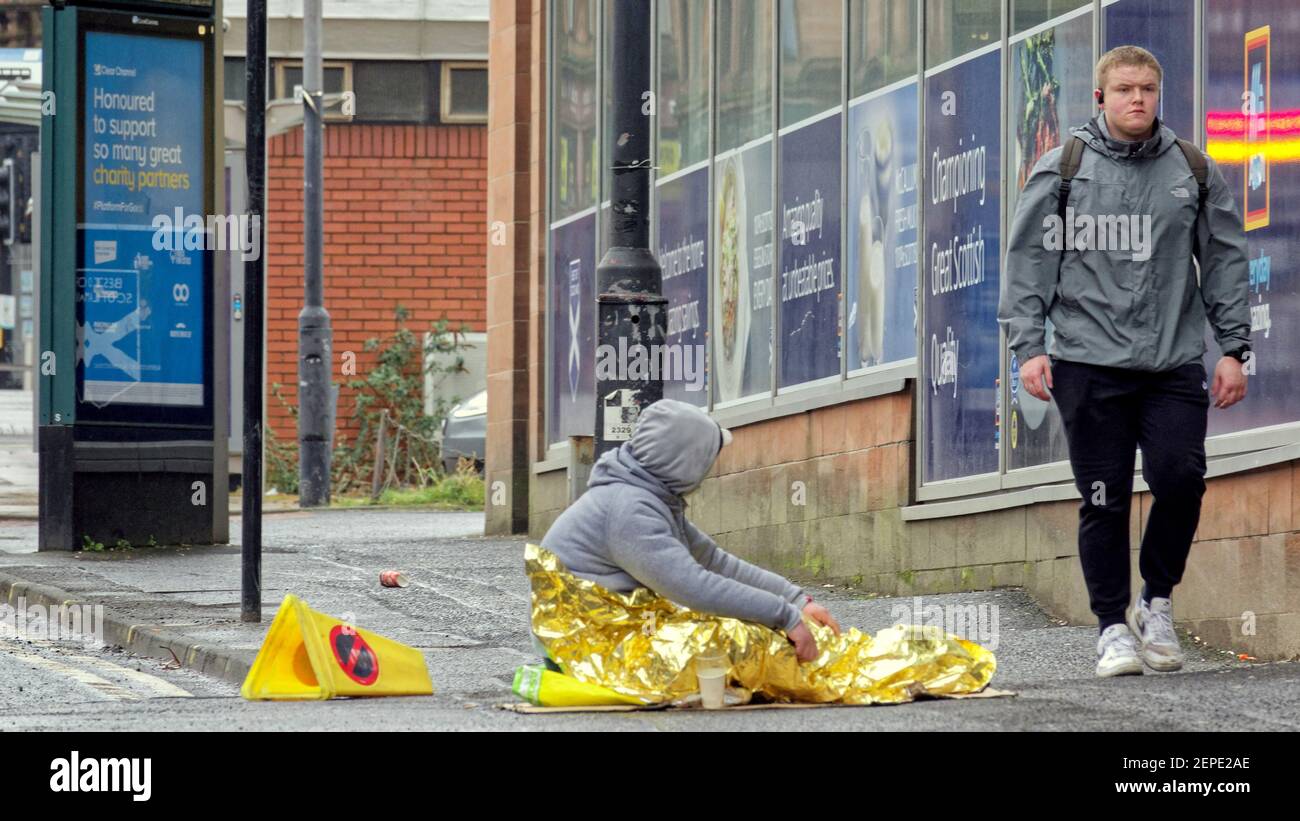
(621, 413)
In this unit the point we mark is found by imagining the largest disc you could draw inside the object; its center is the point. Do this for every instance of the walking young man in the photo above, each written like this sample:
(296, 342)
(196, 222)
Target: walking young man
(1105, 242)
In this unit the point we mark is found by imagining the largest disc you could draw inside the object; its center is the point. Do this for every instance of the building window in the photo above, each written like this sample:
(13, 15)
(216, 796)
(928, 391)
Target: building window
(955, 28)
(464, 93)
(573, 121)
(236, 78)
(338, 79)
(394, 92)
(20, 28)
(744, 65)
(882, 44)
(683, 117)
(810, 32)
(1025, 14)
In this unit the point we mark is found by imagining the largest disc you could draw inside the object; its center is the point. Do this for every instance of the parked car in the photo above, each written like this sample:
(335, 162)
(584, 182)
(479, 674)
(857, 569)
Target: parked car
(464, 433)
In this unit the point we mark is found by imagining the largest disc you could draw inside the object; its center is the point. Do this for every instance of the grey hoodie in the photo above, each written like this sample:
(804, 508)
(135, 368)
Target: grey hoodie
(630, 529)
(1140, 308)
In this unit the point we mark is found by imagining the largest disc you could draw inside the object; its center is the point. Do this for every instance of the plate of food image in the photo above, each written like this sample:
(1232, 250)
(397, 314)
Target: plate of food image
(731, 311)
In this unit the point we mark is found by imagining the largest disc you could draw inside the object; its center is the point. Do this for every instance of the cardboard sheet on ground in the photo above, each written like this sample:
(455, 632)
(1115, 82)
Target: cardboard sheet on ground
(694, 706)
(633, 650)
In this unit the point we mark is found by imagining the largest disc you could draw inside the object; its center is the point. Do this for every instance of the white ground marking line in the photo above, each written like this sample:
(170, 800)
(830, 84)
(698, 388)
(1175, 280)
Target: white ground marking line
(161, 687)
(158, 687)
(366, 574)
(96, 684)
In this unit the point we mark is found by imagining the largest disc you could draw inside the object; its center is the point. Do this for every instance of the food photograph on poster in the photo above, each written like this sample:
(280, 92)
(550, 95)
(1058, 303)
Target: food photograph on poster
(881, 255)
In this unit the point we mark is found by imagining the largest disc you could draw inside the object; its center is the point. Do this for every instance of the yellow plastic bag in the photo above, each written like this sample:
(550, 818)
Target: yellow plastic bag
(547, 688)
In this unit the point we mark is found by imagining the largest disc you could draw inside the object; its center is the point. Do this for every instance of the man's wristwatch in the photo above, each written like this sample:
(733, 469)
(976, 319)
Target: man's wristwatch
(1238, 354)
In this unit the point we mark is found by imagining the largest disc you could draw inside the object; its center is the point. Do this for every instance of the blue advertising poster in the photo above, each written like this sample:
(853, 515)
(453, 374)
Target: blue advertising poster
(961, 253)
(810, 252)
(683, 254)
(742, 307)
(573, 329)
(880, 260)
(1051, 93)
(1252, 105)
(1166, 28)
(142, 324)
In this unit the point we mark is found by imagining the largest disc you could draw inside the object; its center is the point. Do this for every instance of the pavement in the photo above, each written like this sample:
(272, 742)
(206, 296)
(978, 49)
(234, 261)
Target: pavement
(466, 610)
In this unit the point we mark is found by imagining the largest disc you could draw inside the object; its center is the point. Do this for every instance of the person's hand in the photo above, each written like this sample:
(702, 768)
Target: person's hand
(1229, 386)
(1034, 372)
(821, 615)
(805, 646)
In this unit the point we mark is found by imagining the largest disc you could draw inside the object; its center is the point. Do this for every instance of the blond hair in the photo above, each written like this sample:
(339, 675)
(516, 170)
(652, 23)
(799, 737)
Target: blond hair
(1127, 56)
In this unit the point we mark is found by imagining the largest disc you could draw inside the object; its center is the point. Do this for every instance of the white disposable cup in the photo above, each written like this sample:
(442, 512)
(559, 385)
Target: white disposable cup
(711, 671)
(713, 683)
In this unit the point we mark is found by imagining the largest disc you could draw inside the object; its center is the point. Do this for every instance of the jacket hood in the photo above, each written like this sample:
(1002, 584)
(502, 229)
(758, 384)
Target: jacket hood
(1098, 137)
(671, 451)
(619, 466)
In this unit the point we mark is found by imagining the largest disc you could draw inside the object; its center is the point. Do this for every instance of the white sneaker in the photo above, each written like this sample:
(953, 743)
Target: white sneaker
(1117, 653)
(1154, 626)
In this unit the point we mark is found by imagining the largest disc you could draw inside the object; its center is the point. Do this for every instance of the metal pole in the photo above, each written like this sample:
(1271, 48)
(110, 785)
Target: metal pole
(377, 482)
(255, 164)
(631, 309)
(314, 335)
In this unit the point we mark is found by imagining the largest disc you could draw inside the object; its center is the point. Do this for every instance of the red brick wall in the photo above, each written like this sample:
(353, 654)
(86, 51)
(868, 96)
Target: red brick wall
(405, 222)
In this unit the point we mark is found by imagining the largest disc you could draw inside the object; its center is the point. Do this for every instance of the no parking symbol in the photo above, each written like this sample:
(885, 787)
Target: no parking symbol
(358, 661)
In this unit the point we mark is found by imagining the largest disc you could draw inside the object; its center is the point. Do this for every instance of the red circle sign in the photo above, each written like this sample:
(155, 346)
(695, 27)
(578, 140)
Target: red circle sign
(359, 662)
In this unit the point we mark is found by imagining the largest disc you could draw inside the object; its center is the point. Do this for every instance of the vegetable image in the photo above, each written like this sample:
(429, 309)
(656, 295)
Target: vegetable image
(1038, 129)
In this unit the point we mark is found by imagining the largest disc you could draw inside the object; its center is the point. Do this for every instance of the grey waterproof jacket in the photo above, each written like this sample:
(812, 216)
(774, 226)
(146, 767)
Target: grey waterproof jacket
(1137, 306)
(629, 529)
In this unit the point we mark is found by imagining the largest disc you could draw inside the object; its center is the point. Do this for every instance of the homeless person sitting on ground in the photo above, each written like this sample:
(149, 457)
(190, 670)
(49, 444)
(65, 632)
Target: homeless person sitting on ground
(626, 591)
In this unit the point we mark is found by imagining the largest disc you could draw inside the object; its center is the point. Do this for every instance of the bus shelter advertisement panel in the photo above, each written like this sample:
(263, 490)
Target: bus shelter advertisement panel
(810, 252)
(1252, 105)
(880, 283)
(1051, 92)
(142, 322)
(959, 355)
(683, 255)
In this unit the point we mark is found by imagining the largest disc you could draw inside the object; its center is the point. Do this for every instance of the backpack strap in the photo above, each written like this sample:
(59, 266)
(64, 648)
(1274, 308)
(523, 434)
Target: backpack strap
(1071, 157)
(1200, 169)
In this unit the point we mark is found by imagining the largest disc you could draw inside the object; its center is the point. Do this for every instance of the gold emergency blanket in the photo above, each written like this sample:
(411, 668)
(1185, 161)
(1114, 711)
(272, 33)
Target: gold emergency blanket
(641, 645)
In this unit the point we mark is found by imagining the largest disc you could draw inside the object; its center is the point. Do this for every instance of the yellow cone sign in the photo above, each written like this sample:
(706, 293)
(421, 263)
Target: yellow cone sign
(309, 655)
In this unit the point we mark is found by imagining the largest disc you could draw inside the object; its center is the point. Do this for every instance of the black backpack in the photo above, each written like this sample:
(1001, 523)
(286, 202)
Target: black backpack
(1072, 156)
